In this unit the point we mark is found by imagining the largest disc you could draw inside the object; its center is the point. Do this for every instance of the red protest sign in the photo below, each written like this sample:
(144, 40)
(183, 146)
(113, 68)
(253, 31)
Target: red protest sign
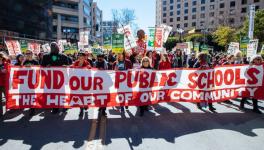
(13, 47)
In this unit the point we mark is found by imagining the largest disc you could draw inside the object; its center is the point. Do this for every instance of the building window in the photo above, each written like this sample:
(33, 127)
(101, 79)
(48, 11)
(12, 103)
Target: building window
(194, 3)
(212, 1)
(178, 18)
(244, 10)
(211, 7)
(232, 4)
(178, 26)
(194, 24)
(186, 25)
(222, 5)
(178, 12)
(203, 8)
(221, 12)
(164, 8)
(164, 2)
(194, 10)
(231, 20)
(164, 21)
(202, 16)
(257, 8)
(171, 13)
(171, 19)
(171, 7)
(202, 1)
(164, 15)
(211, 14)
(178, 5)
(255, 1)
(185, 17)
(171, 1)
(243, 2)
(193, 16)
(232, 11)
(185, 4)
(212, 22)
(186, 11)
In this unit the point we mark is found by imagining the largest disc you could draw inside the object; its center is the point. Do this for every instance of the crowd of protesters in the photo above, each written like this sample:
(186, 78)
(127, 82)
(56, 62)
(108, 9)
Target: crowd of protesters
(124, 61)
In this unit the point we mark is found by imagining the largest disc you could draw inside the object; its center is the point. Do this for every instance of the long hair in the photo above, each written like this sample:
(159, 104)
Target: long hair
(146, 58)
(4, 56)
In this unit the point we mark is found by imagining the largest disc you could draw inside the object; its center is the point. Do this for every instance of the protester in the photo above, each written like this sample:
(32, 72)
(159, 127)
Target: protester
(178, 59)
(149, 54)
(145, 64)
(54, 58)
(30, 61)
(254, 60)
(111, 59)
(122, 64)
(3, 64)
(101, 64)
(192, 60)
(19, 60)
(164, 62)
(202, 63)
(82, 63)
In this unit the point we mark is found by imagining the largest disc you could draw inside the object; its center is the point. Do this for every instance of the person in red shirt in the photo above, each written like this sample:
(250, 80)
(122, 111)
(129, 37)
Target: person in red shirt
(3, 64)
(81, 62)
(164, 62)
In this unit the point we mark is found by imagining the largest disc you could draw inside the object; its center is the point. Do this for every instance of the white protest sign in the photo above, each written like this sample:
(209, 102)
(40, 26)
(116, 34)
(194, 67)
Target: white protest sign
(129, 41)
(166, 32)
(13, 47)
(252, 48)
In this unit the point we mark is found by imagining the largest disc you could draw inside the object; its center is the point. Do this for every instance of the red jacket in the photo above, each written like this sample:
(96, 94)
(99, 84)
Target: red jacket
(85, 64)
(3, 73)
(164, 65)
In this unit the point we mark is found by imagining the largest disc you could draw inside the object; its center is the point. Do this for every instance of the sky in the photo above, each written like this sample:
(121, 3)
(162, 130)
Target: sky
(144, 10)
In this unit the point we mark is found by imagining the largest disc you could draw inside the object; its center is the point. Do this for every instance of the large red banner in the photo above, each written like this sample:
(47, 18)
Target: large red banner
(62, 87)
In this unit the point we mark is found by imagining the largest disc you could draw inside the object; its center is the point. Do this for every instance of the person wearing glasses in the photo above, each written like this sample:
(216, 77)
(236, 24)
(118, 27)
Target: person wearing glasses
(255, 60)
(81, 62)
(30, 61)
(145, 64)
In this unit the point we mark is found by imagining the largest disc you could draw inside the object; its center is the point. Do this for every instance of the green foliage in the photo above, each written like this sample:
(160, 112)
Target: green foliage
(224, 35)
(194, 37)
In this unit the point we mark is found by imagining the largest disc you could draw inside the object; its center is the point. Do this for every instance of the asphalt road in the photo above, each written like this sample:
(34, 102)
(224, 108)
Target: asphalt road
(167, 126)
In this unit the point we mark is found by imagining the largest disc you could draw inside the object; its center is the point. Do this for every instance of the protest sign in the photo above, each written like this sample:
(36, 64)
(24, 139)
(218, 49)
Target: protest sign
(13, 47)
(61, 87)
(155, 39)
(129, 40)
(252, 48)
(117, 43)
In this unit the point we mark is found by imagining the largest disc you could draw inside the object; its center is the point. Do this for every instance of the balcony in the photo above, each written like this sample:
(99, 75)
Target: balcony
(63, 10)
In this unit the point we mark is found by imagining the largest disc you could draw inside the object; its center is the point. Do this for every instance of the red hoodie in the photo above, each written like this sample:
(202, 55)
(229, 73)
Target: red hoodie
(164, 65)
(85, 64)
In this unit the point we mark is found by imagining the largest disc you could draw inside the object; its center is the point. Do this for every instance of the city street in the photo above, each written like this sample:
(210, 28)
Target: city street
(166, 126)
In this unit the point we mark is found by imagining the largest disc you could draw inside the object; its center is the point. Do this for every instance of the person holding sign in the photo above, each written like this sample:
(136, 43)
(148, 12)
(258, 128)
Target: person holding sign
(164, 62)
(28, 63)
(82, 63)
(254, 60)
(3, 63)
(122, 64)
(145, 64)
(55, 58)
(202, 63)
(101, 64)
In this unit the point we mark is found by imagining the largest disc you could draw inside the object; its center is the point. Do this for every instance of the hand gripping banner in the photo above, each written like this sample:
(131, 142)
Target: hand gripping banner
(59, 87)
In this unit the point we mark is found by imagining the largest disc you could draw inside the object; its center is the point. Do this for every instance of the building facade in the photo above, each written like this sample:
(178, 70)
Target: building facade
(97, 19)
(203, 14)
(30, 19)
(71, 17)
(109, 27)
